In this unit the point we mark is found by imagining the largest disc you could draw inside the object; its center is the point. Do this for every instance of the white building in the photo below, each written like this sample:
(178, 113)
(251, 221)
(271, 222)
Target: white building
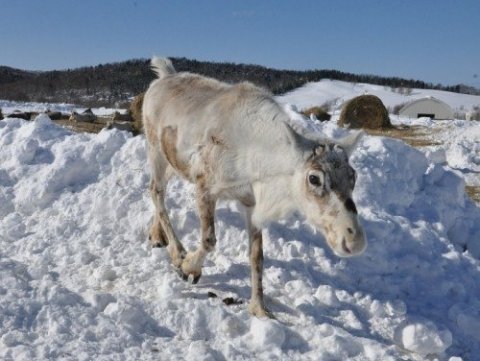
(427, 107)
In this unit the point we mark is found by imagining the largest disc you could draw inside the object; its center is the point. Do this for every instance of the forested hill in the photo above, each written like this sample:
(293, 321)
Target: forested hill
(113, 84)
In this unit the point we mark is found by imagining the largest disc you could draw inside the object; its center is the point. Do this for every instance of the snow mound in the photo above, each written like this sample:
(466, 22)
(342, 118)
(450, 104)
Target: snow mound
(266, 334)
(335, 93)
(78, 280)
(423, 337)
(9, 107)
(463, 151)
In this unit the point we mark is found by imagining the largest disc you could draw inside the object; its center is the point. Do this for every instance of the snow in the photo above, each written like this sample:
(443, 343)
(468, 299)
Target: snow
(422, 337)
(265, 334)
(336, 92)
(462, 150)
(9, 107)
(79, 281)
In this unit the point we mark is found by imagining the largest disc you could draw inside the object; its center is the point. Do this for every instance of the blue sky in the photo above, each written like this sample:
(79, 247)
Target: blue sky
(435, 41)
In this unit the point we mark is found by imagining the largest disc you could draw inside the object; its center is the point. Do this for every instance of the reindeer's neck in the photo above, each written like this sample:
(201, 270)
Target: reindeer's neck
(277, 195)
(275, 199)
(281, 151)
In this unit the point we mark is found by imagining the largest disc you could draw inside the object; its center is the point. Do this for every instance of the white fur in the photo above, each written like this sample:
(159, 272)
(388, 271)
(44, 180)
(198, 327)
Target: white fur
(162, 66)
(236, 142)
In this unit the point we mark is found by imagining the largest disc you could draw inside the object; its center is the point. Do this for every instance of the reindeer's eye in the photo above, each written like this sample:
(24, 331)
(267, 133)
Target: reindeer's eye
(314, 180)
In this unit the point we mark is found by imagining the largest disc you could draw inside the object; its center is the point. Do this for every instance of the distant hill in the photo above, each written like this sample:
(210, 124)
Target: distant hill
(10, 75)
(115, 83)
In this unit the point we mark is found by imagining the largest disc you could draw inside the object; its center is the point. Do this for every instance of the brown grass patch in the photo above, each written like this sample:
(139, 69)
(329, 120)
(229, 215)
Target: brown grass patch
(135, 111)
(320, 113)
(416, 136)
(84, 127)
(474, 193)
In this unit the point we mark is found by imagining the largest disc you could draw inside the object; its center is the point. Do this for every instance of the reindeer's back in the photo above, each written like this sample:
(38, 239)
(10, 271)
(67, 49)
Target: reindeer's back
(235, 131)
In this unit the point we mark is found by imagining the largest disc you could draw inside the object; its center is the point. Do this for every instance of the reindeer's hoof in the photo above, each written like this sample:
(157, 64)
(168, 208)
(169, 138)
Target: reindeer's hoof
(157, 236)
(189, 277)
(258, 310)
(157, 243)
(190, 268)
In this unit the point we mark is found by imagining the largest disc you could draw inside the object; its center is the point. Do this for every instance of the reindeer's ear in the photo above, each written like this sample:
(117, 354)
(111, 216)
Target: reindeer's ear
(350, 142)
(319, 149)
(341, 151)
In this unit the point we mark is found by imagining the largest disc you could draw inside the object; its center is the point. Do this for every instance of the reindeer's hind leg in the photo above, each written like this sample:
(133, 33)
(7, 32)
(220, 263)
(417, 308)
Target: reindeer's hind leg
(157, 235)
(161, 231)
(192, 265)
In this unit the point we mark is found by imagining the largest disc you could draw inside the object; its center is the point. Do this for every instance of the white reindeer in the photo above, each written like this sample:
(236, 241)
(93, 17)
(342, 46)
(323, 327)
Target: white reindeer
(234, 142)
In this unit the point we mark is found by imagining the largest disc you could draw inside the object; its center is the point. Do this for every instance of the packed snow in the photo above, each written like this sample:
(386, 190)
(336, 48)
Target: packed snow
(79, 281)
(10, 107)
(460, 149)
(336, 92)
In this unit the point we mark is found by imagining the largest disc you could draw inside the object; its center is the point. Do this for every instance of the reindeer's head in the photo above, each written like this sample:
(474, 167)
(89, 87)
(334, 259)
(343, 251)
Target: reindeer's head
(327, 182)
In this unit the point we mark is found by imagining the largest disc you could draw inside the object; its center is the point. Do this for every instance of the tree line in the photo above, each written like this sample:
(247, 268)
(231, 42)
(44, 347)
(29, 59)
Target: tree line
(114, 84)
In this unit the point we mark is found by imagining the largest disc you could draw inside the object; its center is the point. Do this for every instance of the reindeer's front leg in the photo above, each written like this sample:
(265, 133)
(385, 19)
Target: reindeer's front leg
(193, 262)
(257, 306)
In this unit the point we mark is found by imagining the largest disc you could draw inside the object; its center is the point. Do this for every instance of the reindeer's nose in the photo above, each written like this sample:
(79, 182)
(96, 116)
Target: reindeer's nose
(353, 241)
(345, 247)
(350, 205)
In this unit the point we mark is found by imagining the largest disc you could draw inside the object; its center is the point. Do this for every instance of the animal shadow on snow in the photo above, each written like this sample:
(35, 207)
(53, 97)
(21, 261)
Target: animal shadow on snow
(226, 283)
(229, 282)
(314, 276)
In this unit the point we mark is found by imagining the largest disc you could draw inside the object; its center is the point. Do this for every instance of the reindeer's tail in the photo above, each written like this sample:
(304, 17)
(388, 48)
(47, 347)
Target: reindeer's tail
(162, 66)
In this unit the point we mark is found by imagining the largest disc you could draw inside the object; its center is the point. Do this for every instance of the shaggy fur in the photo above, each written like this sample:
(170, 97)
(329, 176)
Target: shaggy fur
(135, 110)
(234, 142)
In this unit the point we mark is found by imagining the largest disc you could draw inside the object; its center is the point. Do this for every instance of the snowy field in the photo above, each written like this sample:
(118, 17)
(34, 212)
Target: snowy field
(336, 92)
(79, 282)
(9, 107)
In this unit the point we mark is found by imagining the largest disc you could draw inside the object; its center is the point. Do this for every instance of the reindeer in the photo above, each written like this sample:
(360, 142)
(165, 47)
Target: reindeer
(235, 142)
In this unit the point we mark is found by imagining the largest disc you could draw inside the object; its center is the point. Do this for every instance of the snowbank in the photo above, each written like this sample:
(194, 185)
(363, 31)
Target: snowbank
(422, 337)
(9, 107)
(462, 150)
(336, 92)
(78, 280)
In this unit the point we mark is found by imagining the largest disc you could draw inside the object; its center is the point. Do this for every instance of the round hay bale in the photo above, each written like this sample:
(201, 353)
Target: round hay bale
(135, 110)
(364, 111)
(319, 113)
